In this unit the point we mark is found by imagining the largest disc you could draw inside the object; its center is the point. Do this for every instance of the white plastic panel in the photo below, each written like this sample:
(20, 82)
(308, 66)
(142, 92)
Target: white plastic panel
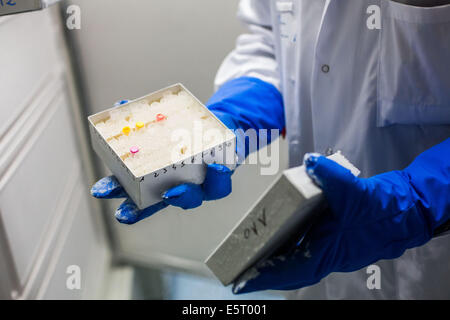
(80, 245)
(28, 51)
(36, 181)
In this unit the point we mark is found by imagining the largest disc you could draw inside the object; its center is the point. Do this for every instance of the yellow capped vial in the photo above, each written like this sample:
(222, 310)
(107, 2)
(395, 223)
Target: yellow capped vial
(126, 130)
(140, 125)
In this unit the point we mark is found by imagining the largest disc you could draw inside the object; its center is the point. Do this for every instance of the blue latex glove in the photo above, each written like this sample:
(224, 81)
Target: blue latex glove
(217, 185)
(368, 220)
(241, 103)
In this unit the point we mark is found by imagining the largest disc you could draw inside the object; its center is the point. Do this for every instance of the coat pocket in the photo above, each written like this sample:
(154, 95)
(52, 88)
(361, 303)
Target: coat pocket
(414, 65)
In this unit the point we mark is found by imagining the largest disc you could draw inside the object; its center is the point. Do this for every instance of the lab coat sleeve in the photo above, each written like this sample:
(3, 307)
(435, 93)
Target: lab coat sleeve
(254, 54)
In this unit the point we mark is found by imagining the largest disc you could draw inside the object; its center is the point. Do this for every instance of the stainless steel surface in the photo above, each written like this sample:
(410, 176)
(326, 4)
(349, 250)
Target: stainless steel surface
(281, 210)
(268, 223)
(8, 7)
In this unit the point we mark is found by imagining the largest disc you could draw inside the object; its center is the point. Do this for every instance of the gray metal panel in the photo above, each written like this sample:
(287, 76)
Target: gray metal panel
(17, 6)
(280, 211)
(284, 211)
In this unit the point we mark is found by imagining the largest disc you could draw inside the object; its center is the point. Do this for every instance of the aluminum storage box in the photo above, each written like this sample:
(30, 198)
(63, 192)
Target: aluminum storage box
(147, 189)
(283, 211)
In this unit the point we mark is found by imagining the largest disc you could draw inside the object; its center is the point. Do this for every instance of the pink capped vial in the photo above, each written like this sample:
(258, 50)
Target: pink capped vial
(134, 150)
(160, 117)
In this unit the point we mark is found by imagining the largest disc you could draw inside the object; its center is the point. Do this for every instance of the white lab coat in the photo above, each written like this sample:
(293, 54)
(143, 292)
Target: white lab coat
(379, 90)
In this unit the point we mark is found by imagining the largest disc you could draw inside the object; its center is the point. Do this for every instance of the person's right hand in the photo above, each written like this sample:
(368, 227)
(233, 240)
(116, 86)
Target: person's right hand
(367, 219)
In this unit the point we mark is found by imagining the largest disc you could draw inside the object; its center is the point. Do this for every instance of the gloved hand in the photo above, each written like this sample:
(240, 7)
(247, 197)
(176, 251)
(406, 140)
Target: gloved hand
(217, 185)
(368, 220)
(241, 103)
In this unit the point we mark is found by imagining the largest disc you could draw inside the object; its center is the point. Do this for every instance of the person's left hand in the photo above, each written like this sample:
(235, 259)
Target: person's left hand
(367, 220)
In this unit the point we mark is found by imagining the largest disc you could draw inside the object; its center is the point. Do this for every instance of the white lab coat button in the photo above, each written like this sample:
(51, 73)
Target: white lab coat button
(325, 68)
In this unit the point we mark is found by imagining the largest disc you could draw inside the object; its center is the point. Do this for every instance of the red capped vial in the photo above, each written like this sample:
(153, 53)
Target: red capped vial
(160, 117)
(134, 150)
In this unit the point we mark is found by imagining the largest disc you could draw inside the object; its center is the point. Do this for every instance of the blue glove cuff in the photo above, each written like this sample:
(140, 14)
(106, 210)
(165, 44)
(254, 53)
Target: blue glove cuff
(429, 176)
(248, 103)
